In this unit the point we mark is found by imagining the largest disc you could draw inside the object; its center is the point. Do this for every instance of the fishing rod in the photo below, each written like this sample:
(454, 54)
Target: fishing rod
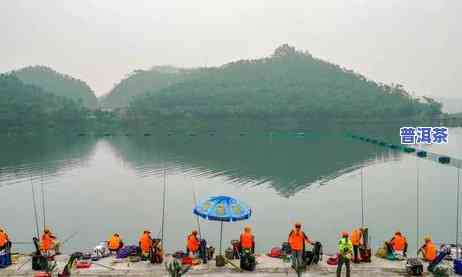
(35, 208)
(68, 238)
(43, 199)
(197, 217)
(362, 198)
(418, 205)
(163, 204)
(458, 211)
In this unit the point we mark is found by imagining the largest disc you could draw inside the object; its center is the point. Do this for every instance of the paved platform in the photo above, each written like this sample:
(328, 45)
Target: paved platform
(266, 266)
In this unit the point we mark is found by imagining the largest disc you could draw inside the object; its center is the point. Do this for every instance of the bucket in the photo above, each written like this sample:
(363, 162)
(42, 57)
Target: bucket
(458, 266)
(5, 258)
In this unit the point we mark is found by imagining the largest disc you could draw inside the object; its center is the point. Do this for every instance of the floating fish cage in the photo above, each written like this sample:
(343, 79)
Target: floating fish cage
(422, 154)
(147, 134)
(382, 143)
(107, 134)
(408, 149)
(444, 159)
(81, 134)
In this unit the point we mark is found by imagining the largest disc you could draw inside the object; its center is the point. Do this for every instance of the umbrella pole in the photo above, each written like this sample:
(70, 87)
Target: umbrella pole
(221, 235)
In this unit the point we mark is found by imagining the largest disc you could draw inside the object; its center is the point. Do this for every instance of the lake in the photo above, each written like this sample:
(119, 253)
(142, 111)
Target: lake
(96, 185)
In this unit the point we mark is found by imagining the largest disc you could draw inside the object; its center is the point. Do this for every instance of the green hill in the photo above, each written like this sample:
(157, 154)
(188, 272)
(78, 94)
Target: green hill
(58, 84)
(142, 81)
(288, 84)
(27, 107)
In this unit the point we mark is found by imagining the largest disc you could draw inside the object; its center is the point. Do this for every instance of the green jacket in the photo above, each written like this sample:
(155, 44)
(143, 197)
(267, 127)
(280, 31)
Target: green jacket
(345, 247)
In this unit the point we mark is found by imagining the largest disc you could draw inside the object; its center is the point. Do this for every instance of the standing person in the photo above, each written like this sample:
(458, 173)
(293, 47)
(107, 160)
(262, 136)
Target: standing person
(192, 243)
(428, 250)
(297, 239)
(356, 241)
(345, 249)
(115, 243)
(145, 244)
(49, 242)
(247, 240)
(4, 239)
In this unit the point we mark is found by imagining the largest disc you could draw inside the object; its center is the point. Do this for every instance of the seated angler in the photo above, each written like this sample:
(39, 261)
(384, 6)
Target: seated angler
(193, 243)
(145, 244)
(49, 243)
(4, 240)
(398, 244)
(115, 243)
(428, 250)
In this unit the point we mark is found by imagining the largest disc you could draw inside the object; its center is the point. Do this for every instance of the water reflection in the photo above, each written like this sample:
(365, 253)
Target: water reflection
(288, 162)
(32, 157)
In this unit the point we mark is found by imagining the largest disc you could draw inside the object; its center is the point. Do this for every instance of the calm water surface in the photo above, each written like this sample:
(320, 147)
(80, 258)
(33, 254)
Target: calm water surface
(99, 185)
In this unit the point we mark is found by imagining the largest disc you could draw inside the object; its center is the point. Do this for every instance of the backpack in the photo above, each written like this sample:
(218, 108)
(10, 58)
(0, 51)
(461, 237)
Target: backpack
(414, 267)
(129, 250)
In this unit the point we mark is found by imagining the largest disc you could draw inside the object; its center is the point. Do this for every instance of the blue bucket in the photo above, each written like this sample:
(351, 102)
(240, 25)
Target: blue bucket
(458, 266)
(5, 258)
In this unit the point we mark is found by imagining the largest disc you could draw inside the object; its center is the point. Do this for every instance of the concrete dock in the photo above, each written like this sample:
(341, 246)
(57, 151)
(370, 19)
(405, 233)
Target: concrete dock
(266, 266)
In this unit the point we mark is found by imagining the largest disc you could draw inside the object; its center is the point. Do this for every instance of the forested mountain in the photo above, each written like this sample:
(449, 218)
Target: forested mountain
(58, 84)
(142, 81)
(23, 107)
(289, 83)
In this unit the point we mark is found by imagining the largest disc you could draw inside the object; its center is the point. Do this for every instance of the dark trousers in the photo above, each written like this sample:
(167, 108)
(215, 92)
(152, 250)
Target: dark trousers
(355, 253)
(341, 261)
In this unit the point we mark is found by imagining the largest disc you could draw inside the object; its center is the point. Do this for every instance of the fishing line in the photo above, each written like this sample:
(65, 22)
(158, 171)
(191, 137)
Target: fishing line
(197, 217)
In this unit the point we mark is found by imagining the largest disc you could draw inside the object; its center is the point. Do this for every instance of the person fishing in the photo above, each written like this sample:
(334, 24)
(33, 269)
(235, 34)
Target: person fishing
(4, 239)
(345, 251)
(49, 242)
(356, 241)
(397, 244)
(115, 243)
(193, 243)
(297, 239)
(247, 240)
(428, 250)
(145, 244)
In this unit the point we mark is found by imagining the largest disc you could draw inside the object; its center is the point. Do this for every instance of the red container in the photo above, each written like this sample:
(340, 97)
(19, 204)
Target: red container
(186, 261)
(82, 264)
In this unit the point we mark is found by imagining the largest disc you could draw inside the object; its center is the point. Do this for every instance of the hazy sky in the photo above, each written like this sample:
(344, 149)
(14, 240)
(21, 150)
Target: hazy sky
(416, 43)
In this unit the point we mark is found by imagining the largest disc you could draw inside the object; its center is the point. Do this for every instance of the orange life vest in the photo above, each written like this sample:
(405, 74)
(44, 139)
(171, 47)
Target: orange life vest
(47, 241)
(3, 239)
(246, 240)
(193, 243)
(430, 251)
(114, 243)
(297, 240)
(356, 237)
(398, 243)
(145, 243)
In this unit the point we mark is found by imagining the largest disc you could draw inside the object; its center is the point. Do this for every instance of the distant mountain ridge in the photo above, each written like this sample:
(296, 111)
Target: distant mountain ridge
(289, 83)
(58, 84)
(141, 81)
